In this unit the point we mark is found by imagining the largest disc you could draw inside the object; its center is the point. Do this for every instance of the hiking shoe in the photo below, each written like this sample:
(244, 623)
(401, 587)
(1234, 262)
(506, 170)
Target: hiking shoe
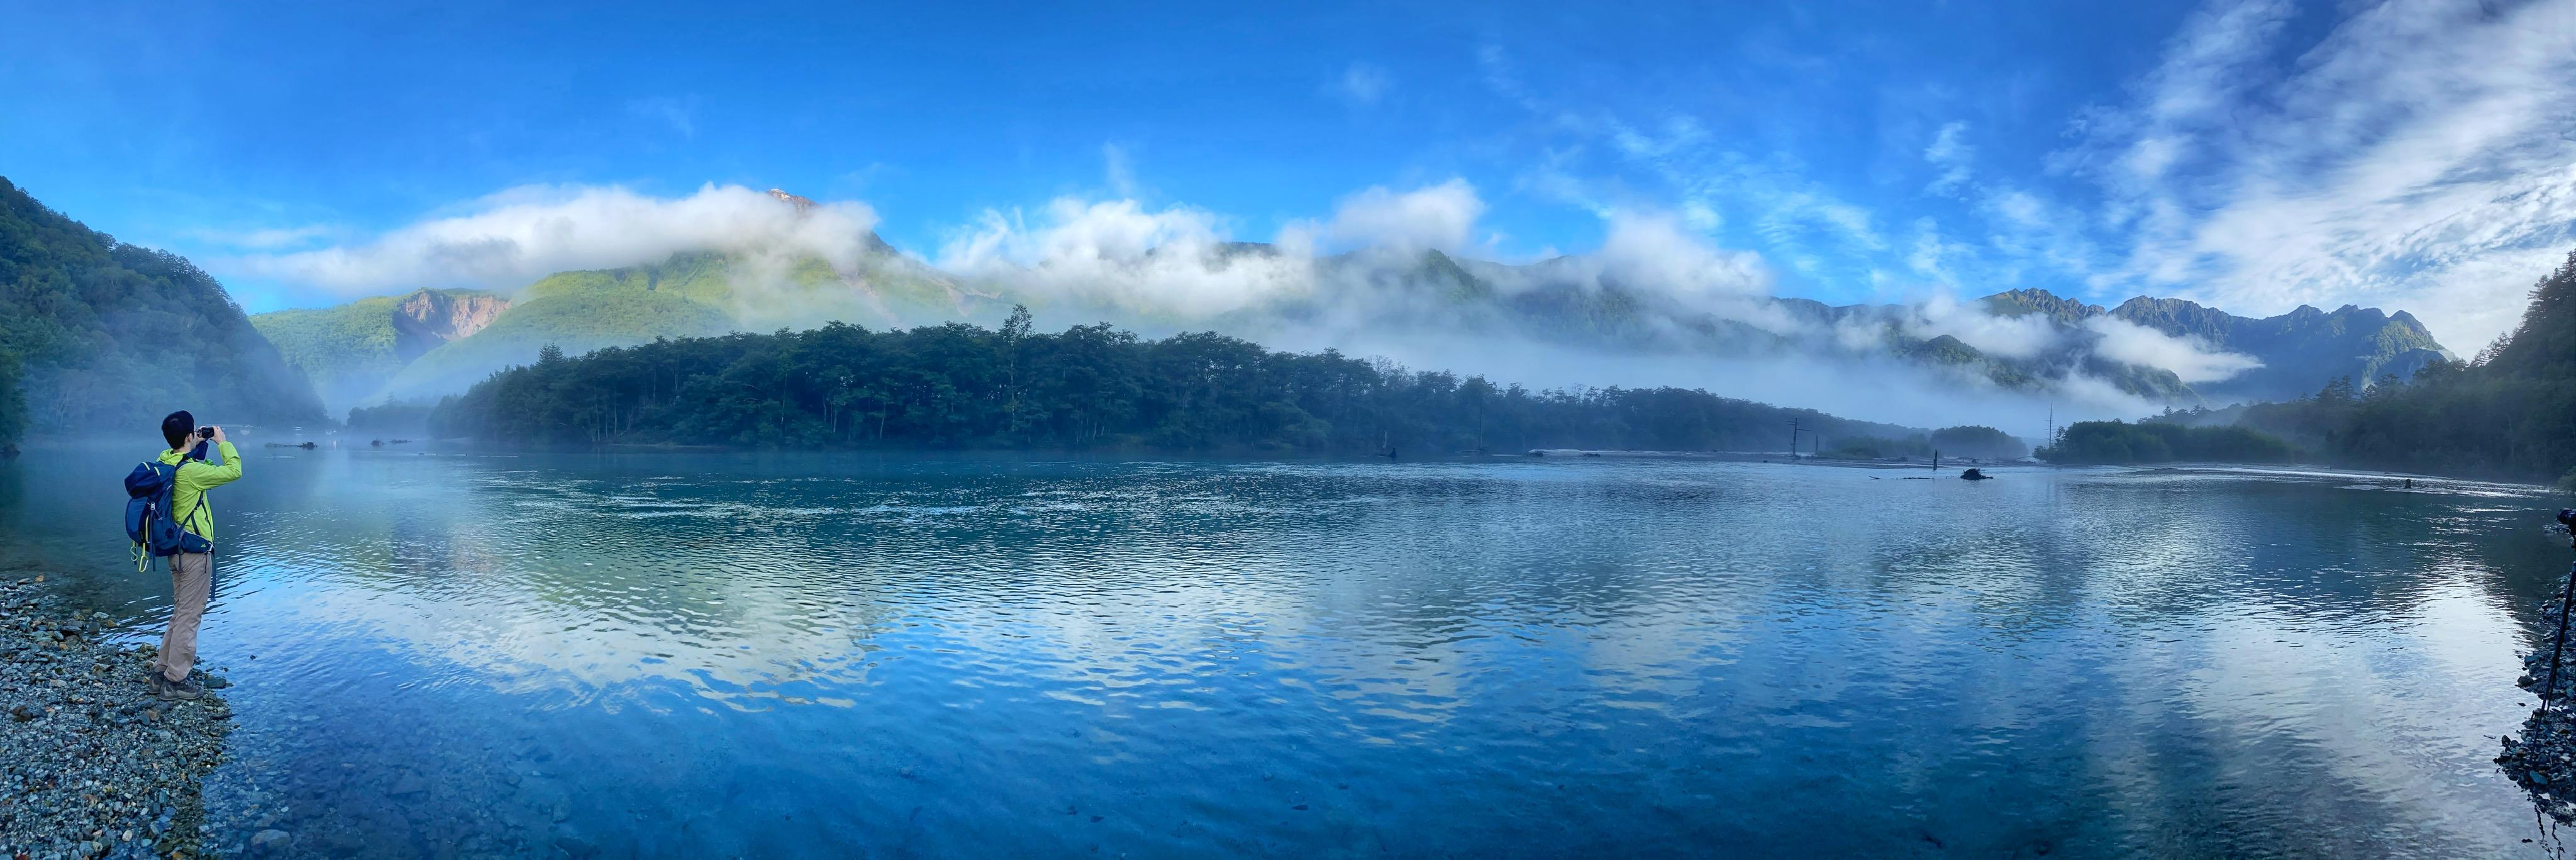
(176, 690)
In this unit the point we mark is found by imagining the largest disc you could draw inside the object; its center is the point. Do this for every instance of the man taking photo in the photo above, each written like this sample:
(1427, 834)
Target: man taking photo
(192, 574)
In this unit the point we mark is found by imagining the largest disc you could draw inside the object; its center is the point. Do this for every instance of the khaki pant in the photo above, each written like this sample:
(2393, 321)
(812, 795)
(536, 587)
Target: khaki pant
(192, 574)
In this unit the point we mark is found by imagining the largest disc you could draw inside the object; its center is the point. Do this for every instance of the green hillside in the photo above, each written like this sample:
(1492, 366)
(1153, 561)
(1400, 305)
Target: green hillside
(690, 294)
(576, 322)
(97, 334)
(350, 351)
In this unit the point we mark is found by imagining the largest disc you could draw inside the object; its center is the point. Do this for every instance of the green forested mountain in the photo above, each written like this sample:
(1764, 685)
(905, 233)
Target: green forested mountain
(2120, 442)
(961, 385)
(96, 334)
(350, 351)
(586, 310)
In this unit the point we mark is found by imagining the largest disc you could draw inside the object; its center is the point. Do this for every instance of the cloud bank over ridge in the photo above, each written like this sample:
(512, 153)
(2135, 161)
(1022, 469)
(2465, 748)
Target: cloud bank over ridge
(508, 239)
(1345, 280)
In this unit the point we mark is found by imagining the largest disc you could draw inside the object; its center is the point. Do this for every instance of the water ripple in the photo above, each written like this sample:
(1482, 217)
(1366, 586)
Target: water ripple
(796, 655)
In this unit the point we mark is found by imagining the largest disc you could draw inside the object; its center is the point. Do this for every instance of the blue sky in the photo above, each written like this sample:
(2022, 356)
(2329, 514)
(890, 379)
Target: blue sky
(2257, 154)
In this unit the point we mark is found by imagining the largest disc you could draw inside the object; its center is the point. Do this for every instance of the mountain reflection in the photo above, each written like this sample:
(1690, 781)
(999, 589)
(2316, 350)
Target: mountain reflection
(2085, 662)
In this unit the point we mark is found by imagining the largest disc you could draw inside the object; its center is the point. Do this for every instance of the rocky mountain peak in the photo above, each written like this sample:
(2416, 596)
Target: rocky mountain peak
(801, 204)
(428, 318)
(2031, 300)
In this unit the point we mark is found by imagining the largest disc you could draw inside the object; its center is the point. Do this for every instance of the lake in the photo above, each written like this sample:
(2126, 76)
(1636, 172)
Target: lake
(680, 653)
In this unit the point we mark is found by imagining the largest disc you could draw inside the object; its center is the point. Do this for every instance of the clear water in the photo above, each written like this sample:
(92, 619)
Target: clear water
(700, 654)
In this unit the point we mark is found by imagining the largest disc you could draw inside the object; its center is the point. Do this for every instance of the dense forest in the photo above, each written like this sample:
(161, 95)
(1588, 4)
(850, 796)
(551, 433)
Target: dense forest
(2120, 442)
(2510, 412)
(96, 333)
(960, 385)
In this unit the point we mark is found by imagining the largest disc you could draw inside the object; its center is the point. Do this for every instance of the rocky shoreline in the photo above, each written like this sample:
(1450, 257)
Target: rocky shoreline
(91, 764)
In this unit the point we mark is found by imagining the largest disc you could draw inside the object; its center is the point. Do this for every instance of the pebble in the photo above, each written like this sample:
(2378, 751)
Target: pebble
(90, 763)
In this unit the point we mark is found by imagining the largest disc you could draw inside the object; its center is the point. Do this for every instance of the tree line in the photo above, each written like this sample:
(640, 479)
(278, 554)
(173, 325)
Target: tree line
(961, 385)
(1970, 441)
(2508, 413)
(2120, 442)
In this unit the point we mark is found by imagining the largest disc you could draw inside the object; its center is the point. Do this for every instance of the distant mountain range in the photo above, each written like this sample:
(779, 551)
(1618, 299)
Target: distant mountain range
(2020, 340)
(425, 343)
(2301, 350)
(2046, 340)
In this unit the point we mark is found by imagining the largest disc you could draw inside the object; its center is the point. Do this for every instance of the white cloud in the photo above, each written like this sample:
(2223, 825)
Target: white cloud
(510, 239)
(1652, 251)
(1173, 263)
(1934, 256)
(1363, 84)
(2189, 358)
(1118, 170)
(1951, 153)
(1431, 217)
(1119, 254)
(2011, 337)
(2420, 156)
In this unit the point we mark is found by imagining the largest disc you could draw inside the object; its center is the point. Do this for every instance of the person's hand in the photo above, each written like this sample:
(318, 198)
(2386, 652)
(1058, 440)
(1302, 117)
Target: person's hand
(218, 438)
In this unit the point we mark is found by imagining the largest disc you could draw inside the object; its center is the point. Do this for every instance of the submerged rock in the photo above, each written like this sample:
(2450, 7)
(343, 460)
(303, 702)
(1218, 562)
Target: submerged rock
(271, 842)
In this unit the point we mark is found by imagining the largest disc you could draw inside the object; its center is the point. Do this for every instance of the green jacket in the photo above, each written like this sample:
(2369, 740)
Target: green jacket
(188, 497)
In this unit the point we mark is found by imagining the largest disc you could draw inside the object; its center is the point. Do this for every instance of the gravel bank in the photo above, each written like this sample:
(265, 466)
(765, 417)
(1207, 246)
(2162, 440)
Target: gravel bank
(90, 763)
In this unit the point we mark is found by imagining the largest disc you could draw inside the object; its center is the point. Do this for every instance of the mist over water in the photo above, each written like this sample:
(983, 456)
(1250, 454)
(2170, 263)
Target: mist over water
(809, 655)
(1860, 388)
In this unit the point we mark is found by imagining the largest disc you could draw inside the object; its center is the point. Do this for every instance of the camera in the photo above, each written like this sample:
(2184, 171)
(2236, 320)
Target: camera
(208, 432)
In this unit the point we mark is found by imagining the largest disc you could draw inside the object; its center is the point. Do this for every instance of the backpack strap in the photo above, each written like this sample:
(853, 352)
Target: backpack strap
(192, 512)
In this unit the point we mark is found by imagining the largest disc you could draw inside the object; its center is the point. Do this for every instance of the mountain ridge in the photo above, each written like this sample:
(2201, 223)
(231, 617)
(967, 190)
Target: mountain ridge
(97, 333)
(2301, 350)
(1570, 301)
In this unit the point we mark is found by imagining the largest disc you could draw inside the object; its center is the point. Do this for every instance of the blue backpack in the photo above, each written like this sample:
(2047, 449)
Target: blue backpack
(150, 519)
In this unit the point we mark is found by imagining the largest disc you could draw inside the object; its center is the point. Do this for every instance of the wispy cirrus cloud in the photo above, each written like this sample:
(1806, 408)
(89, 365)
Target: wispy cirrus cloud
(2422, 154)
(1362, 84)
(1951, 153)
(2409, 154)
(268, 239)
(680, 114)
